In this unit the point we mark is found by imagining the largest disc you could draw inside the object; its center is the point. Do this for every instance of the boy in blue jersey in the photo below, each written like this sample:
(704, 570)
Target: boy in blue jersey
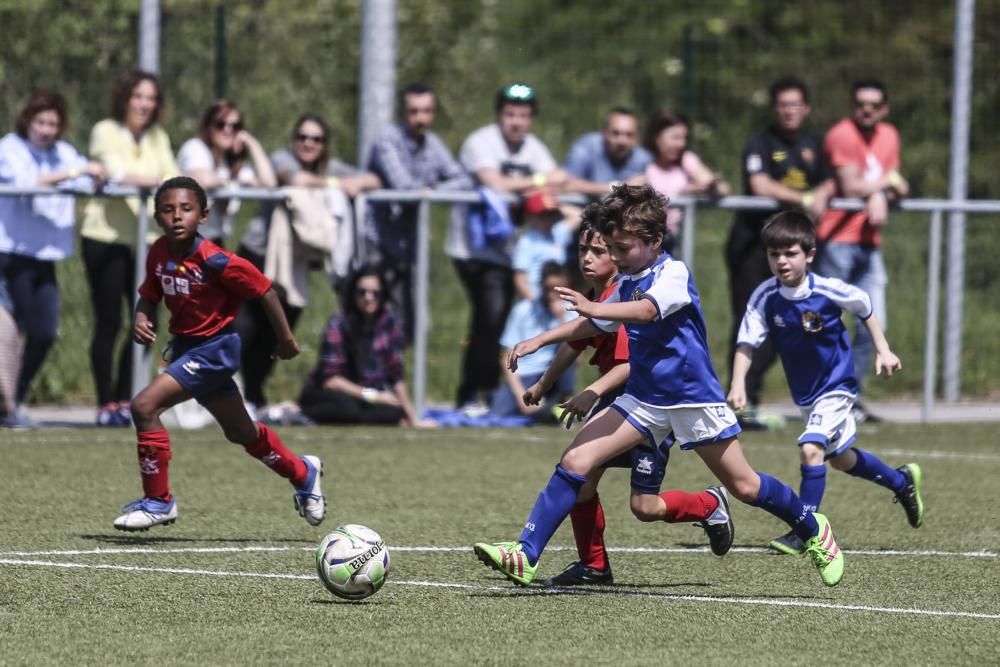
(801, 312)
(671, 387)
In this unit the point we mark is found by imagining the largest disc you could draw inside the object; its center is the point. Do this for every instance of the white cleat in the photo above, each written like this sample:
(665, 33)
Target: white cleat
(309, 498)
(144, 513)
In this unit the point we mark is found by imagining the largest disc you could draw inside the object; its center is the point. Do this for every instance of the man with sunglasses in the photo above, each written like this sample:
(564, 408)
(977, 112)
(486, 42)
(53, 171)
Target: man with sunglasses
(408, 156)
(863, 151)
(506, 158)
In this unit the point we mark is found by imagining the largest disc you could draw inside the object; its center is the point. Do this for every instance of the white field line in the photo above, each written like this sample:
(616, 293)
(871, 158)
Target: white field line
(534, 591)
(101, 551)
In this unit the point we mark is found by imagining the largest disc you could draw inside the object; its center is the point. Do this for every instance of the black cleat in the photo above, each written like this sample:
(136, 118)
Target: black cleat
(789, 543)
(719, 526)
(909, 495)
(579, 574)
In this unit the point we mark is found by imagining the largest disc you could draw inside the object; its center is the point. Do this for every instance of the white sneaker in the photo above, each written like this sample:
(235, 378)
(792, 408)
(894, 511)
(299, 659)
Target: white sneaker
(144, 513)
(309, 498)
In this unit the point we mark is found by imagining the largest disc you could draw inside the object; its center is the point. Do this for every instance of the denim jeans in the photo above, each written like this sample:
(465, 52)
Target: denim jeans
(863, 267)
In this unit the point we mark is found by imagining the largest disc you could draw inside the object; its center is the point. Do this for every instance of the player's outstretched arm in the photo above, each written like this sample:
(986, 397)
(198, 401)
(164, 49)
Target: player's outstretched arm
(737, 397)
(143, 331)
(565, 356)
(575, 329)
(641, 311)
(580, 405)
(885, 359)
(287, 346)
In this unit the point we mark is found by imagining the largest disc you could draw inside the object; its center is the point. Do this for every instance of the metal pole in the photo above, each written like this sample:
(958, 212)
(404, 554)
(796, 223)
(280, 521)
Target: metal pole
(687, 235)
(957, 190)
(422, 308)
(221, 71)
(933, 312)
(149, 36)
(140, 370)
(378, 72)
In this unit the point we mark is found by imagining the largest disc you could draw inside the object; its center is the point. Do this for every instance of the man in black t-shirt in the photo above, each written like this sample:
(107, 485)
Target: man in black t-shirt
(787, 163)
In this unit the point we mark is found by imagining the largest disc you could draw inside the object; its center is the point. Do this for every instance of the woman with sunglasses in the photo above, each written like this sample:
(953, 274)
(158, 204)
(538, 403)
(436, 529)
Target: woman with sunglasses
(306, 162)
(224, 154)
(359, 376)
(134, 150)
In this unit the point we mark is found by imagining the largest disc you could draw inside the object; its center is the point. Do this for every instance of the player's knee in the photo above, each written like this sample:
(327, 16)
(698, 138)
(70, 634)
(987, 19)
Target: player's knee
(811, 454)
(144, 411)
(645, 508)
(575, 462)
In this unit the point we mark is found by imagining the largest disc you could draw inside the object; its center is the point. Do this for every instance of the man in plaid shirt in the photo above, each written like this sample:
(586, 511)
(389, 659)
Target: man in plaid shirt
(408, 156)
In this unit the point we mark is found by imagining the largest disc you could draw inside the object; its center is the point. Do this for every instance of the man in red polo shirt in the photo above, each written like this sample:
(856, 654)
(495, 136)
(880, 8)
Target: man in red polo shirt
(863, 151)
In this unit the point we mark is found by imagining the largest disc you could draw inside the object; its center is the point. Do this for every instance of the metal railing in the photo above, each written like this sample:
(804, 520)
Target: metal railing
(935, 207)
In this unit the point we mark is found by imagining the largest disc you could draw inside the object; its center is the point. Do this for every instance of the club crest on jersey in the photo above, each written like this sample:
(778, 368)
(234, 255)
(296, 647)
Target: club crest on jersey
(779, 321)
(812, 322)
(636, 294)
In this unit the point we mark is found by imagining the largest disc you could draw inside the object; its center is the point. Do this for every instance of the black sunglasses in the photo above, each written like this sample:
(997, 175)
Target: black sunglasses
(364, 291)
(864, 104)
(315, 138)
(222, 125)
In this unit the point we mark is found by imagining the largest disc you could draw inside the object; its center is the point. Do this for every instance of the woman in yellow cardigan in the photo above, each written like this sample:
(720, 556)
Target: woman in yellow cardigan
(135, 150)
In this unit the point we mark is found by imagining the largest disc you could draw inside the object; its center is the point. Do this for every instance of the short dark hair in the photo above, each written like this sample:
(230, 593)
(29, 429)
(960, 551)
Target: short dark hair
(415, 88)
(590, 220)
(550, 269)
(181, 183)
(870, 83)
(519, 94)
(636, 209)
(788, 228)
(41, 100)
(790, 82)
(660, 121)
(622, 111)
(122, 92)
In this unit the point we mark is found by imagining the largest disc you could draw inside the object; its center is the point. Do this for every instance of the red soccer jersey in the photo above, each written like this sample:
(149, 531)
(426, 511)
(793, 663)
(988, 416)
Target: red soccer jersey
(612, 348)
(202, 291)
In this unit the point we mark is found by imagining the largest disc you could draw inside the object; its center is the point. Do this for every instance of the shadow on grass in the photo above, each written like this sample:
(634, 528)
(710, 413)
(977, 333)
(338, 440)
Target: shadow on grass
(629, 591)
(352, 603)
(133, 539)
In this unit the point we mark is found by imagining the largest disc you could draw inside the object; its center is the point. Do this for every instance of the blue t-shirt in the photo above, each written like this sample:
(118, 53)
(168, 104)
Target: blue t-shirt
(588, 160)
(669, 355)
(805, 324)
(534, 248)
(527, 319)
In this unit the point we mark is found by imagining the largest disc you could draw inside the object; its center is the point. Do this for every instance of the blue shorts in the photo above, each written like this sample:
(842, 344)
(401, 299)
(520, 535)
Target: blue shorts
(648, 465)
(205, 366)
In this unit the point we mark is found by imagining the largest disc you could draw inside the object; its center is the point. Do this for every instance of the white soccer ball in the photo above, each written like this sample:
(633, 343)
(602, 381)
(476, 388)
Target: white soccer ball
(352, 562)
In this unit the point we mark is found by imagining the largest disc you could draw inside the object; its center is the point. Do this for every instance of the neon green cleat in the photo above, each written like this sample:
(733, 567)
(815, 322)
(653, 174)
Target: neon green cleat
(509, 559)
(909, 495)
(824, 552)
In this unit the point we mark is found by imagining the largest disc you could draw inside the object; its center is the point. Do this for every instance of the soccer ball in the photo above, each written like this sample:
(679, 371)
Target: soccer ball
(352, 562)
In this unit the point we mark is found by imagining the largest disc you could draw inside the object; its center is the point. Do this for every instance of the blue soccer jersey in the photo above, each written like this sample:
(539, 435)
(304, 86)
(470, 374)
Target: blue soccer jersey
(670, 364)
(805, 324)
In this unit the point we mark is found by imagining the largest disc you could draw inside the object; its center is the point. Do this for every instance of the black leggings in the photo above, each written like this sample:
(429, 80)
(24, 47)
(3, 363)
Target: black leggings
(35, 293)
(490, 289)
(325, 406)
(111, 274)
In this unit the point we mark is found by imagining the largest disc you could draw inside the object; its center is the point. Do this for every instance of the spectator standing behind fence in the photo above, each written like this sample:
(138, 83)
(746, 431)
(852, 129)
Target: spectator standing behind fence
(37, 231)
(785, 162)
(305, 163)
(359, 378)
(864, 154)
(224, 154)
(597, 160)
(504, 157)
(135, 151)
(408, 156)
(676, 170)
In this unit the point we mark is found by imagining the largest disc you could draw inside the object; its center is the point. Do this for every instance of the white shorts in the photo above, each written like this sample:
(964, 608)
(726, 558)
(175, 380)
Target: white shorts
(691, 425)
(829, 423)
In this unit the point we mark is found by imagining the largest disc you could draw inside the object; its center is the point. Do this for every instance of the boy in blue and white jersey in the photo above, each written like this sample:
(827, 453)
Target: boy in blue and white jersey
(671, 387)
(801, 312)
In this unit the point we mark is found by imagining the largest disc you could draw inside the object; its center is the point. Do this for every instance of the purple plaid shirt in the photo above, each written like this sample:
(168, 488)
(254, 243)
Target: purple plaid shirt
(384, 366)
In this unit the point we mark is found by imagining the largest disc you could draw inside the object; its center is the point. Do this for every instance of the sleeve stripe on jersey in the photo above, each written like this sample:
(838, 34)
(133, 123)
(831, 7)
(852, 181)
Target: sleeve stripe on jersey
(765, 290)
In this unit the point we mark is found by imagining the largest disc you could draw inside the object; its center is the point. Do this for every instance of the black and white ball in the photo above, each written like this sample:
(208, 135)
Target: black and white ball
(352, 562)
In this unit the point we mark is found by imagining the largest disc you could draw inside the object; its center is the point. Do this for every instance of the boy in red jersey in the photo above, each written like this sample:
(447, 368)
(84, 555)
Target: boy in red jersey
(709, 509)
(203, 286)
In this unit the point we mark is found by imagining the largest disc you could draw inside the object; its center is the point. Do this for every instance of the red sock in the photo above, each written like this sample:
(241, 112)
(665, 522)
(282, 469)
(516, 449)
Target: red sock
(683, 506)
(270, 450)
(154, 460)
(588, 529)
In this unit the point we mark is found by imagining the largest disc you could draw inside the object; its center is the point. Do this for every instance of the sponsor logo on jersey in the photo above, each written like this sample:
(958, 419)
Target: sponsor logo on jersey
(779, 156)
(779, 321)
(815, 419)
(812, 322)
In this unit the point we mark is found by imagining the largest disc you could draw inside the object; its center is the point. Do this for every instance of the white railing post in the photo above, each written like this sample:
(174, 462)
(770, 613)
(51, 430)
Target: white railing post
(140, 353)
(931, 320)
(421, 306)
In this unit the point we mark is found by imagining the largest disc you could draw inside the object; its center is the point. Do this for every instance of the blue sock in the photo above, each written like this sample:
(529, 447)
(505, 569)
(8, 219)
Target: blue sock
(873, 469)
(812, 486)
(779, 499)
(553, 505)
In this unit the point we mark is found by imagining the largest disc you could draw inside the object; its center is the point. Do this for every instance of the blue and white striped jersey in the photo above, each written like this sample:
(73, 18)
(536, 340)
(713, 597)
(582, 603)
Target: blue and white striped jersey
(806, 326)
(668, 356)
